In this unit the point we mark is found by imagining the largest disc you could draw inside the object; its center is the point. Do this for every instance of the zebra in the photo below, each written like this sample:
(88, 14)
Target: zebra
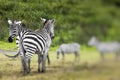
(68, 49)
(103, 47)
(12, 34)
(10, 39)
(31, 42)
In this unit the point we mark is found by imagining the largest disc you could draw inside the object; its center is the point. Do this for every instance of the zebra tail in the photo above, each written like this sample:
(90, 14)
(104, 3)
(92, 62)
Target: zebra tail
(16, 55)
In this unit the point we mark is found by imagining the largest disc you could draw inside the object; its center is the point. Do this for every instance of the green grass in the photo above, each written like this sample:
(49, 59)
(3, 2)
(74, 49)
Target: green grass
(89, 68)
(7, 45)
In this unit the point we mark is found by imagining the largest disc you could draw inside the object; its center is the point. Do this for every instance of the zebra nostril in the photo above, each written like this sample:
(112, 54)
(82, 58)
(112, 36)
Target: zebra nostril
(10, 39)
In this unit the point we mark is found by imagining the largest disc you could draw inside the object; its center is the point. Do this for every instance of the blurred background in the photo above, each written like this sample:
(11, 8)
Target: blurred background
(75, 20)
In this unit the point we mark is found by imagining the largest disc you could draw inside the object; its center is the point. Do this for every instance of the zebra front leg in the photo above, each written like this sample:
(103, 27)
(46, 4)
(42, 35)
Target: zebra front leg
(76, 56)
(63, 59)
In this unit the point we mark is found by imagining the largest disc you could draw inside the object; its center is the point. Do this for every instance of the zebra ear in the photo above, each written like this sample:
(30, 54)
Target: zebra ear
(9, 22)
(43, 20)
(18, 22)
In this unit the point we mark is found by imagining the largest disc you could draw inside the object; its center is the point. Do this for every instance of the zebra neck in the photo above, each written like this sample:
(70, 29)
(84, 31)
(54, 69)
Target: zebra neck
(46, 30)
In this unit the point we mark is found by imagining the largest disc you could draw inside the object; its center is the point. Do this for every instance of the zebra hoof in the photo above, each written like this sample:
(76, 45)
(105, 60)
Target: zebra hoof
(28, 72)
(39, 70)
(43, 71)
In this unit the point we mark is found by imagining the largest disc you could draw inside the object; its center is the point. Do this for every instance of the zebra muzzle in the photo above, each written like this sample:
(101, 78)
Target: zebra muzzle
(10, 39)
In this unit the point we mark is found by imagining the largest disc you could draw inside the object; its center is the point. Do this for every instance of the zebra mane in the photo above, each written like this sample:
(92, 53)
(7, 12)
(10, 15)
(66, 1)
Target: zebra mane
(45, 22)
(24, 26)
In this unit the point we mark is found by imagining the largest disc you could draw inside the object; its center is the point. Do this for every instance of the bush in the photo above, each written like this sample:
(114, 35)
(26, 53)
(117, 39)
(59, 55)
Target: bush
(75, 21)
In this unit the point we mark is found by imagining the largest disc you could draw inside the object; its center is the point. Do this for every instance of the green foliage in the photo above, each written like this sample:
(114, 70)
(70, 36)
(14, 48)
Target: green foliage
(75, 20)
(115, 2)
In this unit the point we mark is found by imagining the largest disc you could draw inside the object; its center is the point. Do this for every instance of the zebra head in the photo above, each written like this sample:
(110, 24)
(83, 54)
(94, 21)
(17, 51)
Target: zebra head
(13, 29)
(49, 26)
(92, 41)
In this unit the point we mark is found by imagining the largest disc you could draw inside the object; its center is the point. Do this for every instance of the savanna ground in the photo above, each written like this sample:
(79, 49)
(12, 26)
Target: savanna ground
(90, 67)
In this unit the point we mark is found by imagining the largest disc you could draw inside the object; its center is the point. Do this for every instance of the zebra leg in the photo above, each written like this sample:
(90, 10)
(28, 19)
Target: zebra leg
(27, 60)
(63, 56)
(29, 65)
(44, 59)
(76, 56)
(23, 65)
(48, 59)
(39, 61)
(102, 56)
(63, 59)
(116, 56)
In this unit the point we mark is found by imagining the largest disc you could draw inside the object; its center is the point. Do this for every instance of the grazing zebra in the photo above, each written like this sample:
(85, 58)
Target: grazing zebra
(69, 48)
(31, 42)
(102, 47)
(23, 27)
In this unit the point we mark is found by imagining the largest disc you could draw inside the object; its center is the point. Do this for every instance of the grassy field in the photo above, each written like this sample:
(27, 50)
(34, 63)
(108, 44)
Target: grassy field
(90, 67)
(7, 45)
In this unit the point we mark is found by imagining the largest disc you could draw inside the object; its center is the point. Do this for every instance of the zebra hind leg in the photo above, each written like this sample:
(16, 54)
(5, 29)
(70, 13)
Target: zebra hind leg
(27, 65)
(39, 61)
(23, 66)
(48, 59)
(44, 60)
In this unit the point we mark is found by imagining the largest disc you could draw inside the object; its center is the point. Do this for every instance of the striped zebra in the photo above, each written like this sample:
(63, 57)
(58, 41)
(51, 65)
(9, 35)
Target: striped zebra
(23, 27)
(31, 43)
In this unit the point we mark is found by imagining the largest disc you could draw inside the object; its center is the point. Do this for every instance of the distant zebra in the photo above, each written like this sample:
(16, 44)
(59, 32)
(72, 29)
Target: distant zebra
(23, 27)
(31, 42)
(104, 47)
(69, 49)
